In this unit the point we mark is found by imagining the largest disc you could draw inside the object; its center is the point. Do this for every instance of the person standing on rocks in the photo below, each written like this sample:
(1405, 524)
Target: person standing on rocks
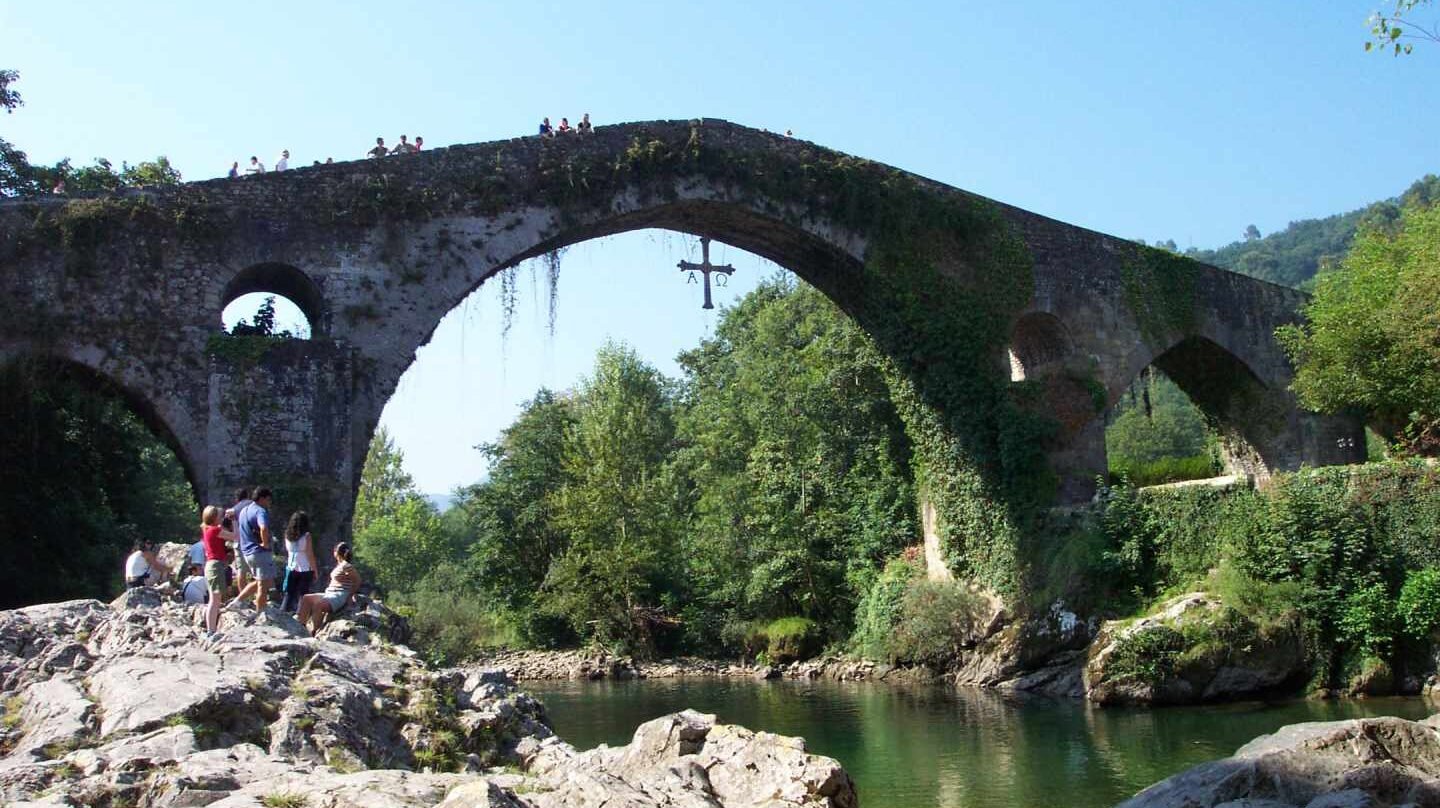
(284, 161)
(216, 581)
(256, 547)
(379, 150)
(344, 581)
(300, 564)
(229, 532)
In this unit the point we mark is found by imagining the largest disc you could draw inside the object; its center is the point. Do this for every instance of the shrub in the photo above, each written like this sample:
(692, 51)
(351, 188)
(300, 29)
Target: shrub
(937, 620)
(1264, 602)
(792, 638)
(879, 609)
(1367, 620)
(1419, 607)
(451, 622)
(1147, 656)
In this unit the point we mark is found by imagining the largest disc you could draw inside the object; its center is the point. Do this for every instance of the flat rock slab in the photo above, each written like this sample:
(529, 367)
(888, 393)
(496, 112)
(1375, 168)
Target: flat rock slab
(140, 692)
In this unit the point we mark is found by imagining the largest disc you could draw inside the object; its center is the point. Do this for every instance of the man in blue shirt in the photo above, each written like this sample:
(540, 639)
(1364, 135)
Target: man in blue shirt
(255, 546)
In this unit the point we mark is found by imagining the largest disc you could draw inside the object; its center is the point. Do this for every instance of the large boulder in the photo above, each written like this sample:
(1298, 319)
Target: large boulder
(1367, 762)
(1193, 649)
(686, 759)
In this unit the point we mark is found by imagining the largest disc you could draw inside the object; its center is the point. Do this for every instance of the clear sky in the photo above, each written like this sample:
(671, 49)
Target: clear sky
(1152, 120)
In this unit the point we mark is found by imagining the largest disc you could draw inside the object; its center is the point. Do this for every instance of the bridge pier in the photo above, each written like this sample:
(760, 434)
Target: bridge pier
(281, 417)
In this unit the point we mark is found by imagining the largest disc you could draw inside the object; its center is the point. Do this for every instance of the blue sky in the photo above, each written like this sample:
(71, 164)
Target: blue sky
(1154, 120)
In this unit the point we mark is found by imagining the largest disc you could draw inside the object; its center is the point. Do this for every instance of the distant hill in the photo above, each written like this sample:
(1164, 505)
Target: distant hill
(442, 502)
(1294, 256)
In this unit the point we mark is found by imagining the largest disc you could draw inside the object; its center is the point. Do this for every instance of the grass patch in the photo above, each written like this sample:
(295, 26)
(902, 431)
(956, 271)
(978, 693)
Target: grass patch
(284, 799)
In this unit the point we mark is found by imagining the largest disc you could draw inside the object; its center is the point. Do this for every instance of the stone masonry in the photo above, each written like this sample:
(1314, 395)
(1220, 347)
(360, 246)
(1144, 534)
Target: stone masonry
(377, 252)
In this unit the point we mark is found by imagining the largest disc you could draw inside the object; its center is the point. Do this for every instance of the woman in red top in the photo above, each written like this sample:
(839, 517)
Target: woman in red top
(214, 564)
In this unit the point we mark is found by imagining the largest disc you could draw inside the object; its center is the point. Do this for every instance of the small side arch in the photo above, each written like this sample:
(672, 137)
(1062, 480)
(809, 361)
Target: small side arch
(283, 280)
(1039, 340)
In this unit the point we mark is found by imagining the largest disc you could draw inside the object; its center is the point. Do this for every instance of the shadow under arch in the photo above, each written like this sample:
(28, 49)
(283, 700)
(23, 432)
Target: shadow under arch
(286, 281)
(1248, 415)
(51, 366)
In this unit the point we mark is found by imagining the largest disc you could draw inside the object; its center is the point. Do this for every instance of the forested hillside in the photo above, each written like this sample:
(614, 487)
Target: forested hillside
(1294, 256)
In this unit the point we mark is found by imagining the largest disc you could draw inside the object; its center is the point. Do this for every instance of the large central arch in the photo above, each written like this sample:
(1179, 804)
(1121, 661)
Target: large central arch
(950, 285)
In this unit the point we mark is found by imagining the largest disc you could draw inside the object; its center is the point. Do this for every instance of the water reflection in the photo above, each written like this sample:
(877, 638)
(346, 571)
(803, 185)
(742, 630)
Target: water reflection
(918, 747)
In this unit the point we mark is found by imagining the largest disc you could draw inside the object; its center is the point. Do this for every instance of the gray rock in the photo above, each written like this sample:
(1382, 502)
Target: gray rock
(1385, 760)
(56, 718)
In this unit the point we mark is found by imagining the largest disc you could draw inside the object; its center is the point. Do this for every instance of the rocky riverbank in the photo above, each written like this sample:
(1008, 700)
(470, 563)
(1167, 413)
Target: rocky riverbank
(127, 704)
(598, 665)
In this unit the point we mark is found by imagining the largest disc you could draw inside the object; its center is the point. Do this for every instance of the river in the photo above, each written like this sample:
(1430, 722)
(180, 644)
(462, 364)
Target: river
(924, 747)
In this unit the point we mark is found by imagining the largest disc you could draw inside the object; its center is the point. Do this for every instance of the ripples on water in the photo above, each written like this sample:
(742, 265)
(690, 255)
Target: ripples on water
(918, 747)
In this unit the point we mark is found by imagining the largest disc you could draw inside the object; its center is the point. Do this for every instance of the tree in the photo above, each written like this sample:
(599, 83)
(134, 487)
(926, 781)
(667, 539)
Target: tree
(1389, 28)
(618, 510)
(1369, 342)
(798, 462)
(509, 515)
(1252, 233)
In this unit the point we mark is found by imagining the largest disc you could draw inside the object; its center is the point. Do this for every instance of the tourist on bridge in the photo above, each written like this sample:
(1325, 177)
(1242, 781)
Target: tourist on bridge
(284, 161)
(142, 563)
(545, 128)
(256, 545)
(300, 564)
(344, 582)
(255, 167)
(217, 578)
(584, 126)
(379, 150)
(234, 170)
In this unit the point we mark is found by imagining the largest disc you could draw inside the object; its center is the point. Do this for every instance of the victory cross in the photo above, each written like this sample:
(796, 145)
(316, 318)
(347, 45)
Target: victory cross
(705, 267)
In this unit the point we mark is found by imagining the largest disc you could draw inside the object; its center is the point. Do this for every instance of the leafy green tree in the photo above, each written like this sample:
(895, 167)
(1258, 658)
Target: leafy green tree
(399, 536)
(799, 465)
(1368, 344)
(509, 515)
(618, 509)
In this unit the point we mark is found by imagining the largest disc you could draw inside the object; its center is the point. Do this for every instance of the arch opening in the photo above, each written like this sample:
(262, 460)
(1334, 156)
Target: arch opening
(1039, 341)
(297, 304)
(763, 356)
(89, 467)
(1196, 411)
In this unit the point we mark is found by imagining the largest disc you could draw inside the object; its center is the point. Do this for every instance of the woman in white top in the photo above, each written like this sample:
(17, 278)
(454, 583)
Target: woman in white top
(300, 565)
(141, 563)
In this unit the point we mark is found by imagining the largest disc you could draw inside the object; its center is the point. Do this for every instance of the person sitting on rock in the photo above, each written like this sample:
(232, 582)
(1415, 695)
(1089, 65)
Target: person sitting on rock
(403, 147)
(545, 129)
(584, 126)
(316, 609)
(142, 563)
(379, 150)
(192, 590)
(564, 127)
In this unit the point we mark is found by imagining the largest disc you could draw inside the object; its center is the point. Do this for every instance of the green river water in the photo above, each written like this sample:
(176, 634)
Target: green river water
(918, 747)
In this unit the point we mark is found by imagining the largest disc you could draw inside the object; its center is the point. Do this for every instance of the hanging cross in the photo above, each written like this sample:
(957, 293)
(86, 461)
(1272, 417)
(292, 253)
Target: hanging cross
(706, 268)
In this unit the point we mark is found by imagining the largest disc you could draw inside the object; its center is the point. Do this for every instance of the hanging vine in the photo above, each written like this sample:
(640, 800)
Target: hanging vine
(508, 296)
(552, 282)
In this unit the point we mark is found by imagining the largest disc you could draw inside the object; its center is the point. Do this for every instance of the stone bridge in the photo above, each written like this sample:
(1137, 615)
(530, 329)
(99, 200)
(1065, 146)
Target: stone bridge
(1010, 333)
